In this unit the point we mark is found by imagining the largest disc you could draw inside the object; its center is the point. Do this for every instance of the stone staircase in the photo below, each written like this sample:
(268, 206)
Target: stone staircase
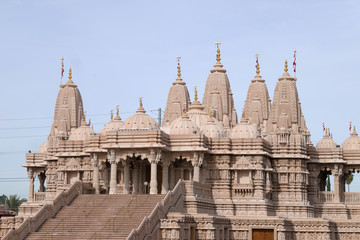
(98, 217)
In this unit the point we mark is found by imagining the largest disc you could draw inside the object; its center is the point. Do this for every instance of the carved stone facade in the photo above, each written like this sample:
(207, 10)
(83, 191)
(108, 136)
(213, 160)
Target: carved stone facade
(260, 176)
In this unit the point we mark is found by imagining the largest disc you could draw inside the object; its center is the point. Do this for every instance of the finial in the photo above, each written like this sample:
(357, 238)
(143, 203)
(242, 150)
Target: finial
(141, 105)
(257, 64)
(184, 108)
(196, 93)
(331, 135)
(92, 127)
(89, 122)
(117, 110)
(243, 113)
(112, 114)
(350, 127)
(218, 51)
(178, 67)
(354, 128)
(286, 66)
(70, 74)
(326, 132)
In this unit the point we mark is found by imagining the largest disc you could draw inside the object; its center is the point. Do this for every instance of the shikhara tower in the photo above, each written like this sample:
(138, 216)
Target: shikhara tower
(260, 178)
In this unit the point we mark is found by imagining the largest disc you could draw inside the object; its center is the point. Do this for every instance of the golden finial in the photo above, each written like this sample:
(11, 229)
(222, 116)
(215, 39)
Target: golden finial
(286, 66)
(117, 110)
(196, 93)
(326, 131)
(184, 108)
(70, 74)
(84, 114)
(112, 114)
(141, 105)
(243, 113)
(257, 64)
(218, 51)
(354, 128)
(331, 135)
(210, 112)
(178, 67)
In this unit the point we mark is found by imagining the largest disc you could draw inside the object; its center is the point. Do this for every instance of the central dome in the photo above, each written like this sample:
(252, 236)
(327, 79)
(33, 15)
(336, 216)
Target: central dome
(326, 143)
(183, 126)
(141, 120)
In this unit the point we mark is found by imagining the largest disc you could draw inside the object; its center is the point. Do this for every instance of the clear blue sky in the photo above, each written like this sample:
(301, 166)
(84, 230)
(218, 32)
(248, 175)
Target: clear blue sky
(120, 50)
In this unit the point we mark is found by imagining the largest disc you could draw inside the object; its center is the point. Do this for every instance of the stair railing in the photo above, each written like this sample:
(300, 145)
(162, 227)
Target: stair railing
(150, 223)
(49, 210)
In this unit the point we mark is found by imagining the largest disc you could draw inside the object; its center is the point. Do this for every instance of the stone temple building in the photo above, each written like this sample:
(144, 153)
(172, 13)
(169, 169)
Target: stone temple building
(202, 174)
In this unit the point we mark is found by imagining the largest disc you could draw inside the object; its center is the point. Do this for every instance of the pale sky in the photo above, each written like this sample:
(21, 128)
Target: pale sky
(121, 50)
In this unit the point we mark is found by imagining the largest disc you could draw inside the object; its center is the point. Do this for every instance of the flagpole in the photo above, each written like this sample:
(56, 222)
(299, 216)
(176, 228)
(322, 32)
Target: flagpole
(294, 64)
(62, 69)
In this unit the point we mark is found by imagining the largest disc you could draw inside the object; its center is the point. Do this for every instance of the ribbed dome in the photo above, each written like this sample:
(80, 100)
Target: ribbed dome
(114, 124)
(82, 133)
(244, 130)
(352, 143)
(141, 120)
(183, 126)
(326, 143)
(43, 147)
(211, 129)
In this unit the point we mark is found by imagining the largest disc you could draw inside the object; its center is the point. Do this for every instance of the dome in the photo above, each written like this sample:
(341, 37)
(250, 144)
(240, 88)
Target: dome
(82, 133)
(114, 124)
(326, 143)
(141, 120)
(244, 130)
(211, 129)
(352, 143)
(183, 126)
(43, 147)
(199, 117)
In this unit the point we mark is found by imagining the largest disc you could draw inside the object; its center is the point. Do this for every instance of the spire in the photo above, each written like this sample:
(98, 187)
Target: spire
(286, 66)
(257, 64)
(196, 93)
(117, 113)
(178, 68)
(112, 114)
(141, 109)
(218, 59)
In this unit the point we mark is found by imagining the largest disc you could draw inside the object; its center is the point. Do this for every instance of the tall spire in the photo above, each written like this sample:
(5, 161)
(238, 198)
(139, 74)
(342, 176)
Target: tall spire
(218, 59)
(178, 67)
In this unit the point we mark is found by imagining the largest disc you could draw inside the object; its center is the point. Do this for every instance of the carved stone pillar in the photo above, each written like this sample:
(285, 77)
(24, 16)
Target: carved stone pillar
(113, 172)
(198, 159)
(95, 163)
(135, 179)
(126, 187)
(165, 178)
(42, 182)
(154, 159)
(338, 172)
(31, 185)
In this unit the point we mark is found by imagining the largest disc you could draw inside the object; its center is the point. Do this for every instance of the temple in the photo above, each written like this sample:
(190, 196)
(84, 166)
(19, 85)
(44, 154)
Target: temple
(201, 174)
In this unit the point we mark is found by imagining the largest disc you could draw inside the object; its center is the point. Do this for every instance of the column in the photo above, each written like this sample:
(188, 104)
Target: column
(31, 185)
(95, 163)
(126, 187)
(42, 181)
(154, 159)
(165, 177)
(136, 179)
(337, 178)
(113, 172)
(197, 161)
